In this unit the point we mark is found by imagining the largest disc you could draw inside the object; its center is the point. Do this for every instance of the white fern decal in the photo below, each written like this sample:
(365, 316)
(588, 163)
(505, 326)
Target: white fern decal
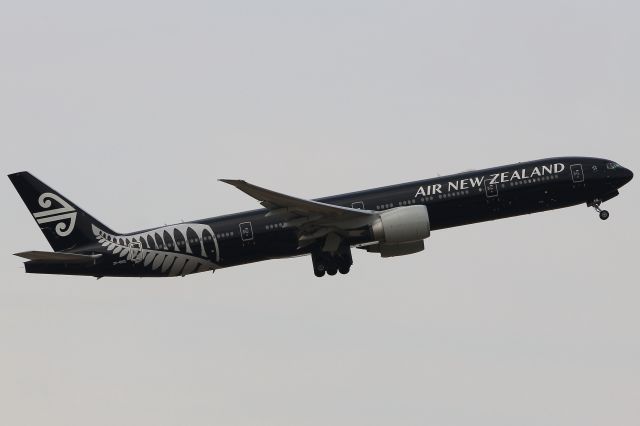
(180, 249)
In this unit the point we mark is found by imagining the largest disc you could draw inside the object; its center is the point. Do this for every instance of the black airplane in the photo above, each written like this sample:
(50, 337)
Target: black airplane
(392, 221)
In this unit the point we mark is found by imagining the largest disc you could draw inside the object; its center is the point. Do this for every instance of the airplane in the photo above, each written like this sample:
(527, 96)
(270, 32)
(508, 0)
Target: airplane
(390, 221)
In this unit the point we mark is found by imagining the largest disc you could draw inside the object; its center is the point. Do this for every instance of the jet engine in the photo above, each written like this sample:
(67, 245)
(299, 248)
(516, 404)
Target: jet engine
(401, 231)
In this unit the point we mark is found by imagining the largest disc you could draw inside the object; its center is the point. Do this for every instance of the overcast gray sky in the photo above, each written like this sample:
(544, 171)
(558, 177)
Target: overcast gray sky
(133, 109)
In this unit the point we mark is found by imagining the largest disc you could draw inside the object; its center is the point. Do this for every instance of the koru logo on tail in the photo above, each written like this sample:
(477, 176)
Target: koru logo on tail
(60, 214)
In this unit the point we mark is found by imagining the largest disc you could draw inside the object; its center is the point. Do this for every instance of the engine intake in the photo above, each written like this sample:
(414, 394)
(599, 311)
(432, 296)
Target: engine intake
(401, 231)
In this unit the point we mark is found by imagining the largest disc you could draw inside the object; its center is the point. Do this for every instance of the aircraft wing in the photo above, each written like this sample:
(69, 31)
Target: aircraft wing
(275, 201)
(53, 257)
(314, 219)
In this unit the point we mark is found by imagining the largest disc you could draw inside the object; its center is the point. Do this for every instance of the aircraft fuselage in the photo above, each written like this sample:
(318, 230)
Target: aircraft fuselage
(256, 235)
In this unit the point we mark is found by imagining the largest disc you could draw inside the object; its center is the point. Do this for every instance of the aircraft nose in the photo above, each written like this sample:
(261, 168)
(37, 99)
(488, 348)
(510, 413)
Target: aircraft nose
(628, 175)
(625, 176)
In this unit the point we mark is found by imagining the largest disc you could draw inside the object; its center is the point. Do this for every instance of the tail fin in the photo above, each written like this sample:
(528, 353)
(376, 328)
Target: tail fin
(64, 224)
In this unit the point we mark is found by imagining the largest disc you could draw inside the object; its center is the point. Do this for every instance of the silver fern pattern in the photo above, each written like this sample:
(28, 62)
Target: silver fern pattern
(180, 249)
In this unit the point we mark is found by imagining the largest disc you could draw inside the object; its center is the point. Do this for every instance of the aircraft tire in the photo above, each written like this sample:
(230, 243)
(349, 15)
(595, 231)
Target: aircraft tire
(604, 215)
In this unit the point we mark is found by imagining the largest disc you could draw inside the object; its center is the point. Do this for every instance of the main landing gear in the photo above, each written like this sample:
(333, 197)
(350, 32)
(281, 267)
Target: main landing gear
(604, 215)
(331, 262)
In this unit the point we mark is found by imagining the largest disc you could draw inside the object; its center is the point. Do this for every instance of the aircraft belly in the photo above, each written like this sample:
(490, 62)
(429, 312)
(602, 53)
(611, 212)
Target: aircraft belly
(177, 266)
(167, 263)
(190, 267)
(158, 261)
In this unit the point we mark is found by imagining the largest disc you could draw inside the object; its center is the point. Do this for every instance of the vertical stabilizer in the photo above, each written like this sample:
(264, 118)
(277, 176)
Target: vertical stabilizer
(65, 225)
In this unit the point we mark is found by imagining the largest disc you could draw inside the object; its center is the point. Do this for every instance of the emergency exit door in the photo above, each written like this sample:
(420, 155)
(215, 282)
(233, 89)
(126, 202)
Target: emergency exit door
(246, 231)
(577, 174)
(490, 189)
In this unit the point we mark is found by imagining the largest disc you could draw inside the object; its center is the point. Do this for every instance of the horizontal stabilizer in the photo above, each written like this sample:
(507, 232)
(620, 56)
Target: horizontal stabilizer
(51, 257)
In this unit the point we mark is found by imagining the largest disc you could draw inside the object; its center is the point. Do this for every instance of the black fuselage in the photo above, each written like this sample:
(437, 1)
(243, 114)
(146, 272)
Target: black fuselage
(466, 203)
(454, 200)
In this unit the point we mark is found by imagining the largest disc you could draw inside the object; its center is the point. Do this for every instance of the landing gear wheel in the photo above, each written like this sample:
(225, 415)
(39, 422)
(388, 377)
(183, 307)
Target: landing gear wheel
(604, 215)
(319, 269)
(344, 269)
(331, 262)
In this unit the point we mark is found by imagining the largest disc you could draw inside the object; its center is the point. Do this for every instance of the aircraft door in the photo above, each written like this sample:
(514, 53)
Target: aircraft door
(246, 231)
(577, 174)
(490, 189)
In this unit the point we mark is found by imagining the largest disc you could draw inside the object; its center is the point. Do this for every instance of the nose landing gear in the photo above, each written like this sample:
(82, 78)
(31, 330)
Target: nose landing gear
(604, 214)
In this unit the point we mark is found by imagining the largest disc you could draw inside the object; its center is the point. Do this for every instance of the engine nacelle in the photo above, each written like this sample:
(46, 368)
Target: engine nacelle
(401, 231)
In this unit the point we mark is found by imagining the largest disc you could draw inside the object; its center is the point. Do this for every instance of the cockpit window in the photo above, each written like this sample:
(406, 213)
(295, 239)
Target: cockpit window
(612, 166)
